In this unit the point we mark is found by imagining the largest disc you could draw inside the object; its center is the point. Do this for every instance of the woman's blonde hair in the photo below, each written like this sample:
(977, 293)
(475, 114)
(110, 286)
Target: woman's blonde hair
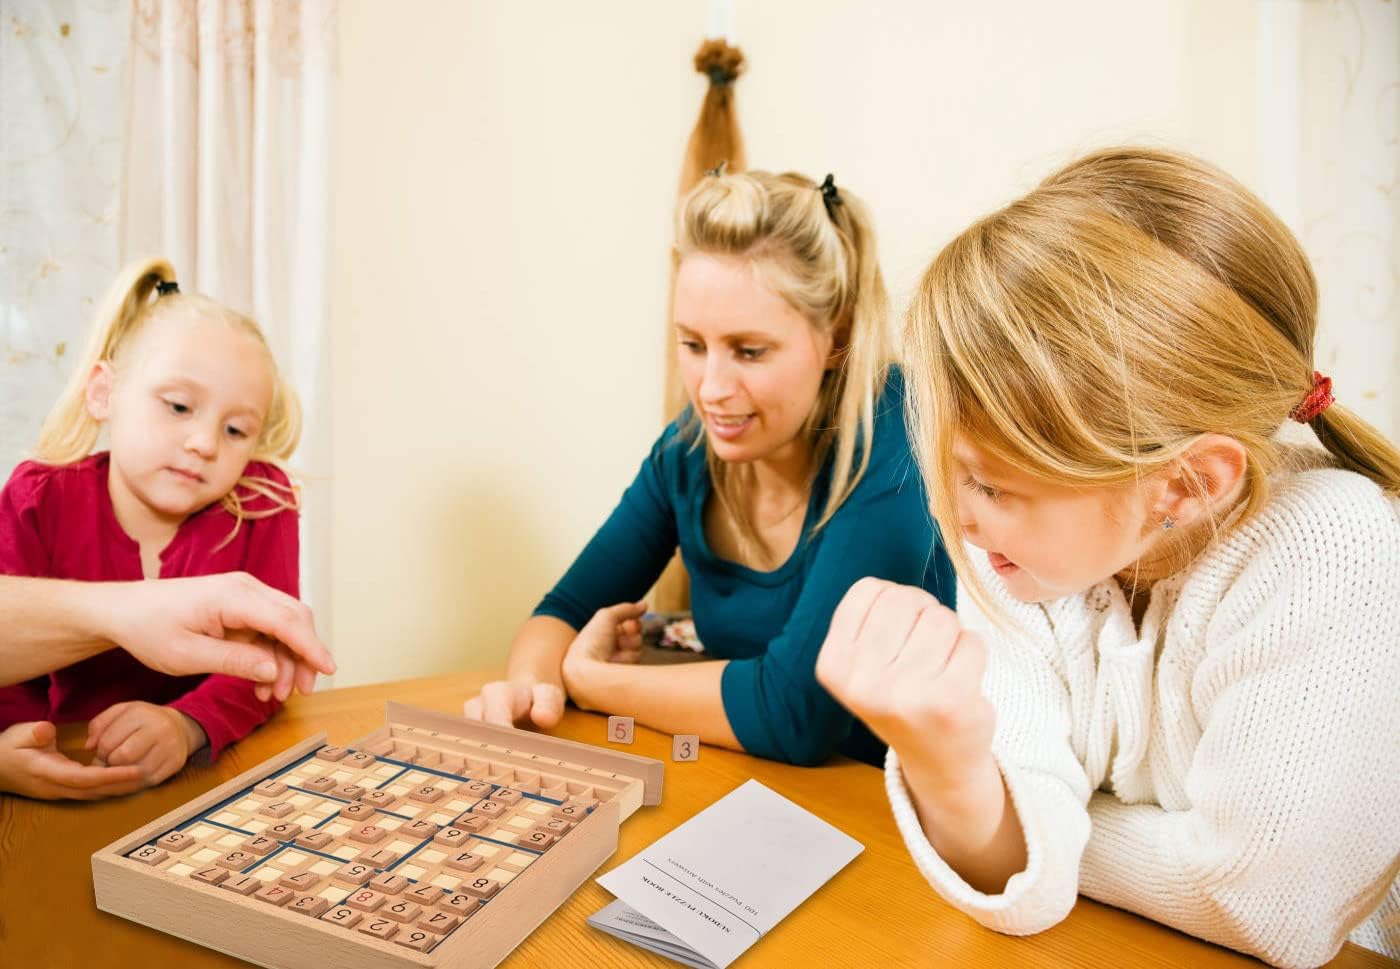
(1092, 331)
(70, 433)
(819, 255)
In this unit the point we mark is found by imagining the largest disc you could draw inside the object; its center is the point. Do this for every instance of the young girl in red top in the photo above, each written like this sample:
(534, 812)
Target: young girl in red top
(194, 410)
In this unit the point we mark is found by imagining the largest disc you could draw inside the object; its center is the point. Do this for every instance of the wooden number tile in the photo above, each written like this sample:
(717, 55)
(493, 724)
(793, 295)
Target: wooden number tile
(505, 795)
(424, 895)
(477, 789)
(358, 812)
(320, 784)
(303, 882)
(360, 759)
(348, 791)
(211, 875)
(175, 841)
(353, 873)
(451, 837)
(312, 905)
(439, 922)
(465, 861)
(480, 887)
(150, 855)
(685, 747)
(379, 928)
(277, 809)
(489, 809)
(243, 885)
(270, 789)
(379, 857)
(419, 829)
(368, 834)
(426, 795)
(259, 845)
(468, 823)
(275, 895)
(342, 915)
(416, 939)
(332, 754)
(366, 900)
(236, 860)
(380, 799)
(284, 830)
(460, 904)
(315, 840)
(402, 911)
(388, 883)
(570, 811)
(539, 840)
(557, 825)
(620, 730)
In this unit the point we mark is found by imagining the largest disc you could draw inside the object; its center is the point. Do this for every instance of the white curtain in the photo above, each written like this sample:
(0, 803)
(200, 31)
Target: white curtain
(1329, 100)
(62, 97)
(227, 172)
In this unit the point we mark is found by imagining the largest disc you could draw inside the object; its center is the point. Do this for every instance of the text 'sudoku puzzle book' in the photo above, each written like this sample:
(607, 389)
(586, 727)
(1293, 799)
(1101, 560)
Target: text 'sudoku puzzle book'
(433, 842)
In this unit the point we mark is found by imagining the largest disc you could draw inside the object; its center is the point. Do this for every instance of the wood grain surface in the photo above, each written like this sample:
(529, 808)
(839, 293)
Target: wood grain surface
(876, 912)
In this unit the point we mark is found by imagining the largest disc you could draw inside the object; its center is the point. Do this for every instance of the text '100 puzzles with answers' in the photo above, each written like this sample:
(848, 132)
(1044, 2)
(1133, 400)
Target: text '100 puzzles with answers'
(433, 842)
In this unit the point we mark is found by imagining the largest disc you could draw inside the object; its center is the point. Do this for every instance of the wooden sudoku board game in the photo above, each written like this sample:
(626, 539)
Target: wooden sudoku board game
(433, 842)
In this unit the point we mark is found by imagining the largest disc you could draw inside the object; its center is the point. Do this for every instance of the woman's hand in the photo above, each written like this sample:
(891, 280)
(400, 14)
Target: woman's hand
(899, 660)
(511, 702)
(155, 739)
(31, 764)
(613, 635)
(229, 623)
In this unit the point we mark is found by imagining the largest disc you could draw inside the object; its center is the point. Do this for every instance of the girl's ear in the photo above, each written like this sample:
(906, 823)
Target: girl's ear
(1206, 478)
(98, 393)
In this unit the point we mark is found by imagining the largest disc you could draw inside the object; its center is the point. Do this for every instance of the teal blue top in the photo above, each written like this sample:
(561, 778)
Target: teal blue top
(769, 625)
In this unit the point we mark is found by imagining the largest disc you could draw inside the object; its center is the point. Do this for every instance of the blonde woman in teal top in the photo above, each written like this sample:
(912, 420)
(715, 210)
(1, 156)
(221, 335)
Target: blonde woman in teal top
(788, 478)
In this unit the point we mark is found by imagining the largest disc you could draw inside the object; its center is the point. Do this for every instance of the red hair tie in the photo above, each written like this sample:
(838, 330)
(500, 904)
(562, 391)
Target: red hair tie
(1318, 400)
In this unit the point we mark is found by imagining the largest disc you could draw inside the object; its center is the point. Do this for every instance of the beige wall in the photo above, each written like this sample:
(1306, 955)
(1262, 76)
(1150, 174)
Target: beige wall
(506, 172)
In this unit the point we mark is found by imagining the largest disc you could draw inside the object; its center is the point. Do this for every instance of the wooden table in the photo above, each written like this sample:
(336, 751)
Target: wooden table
(877, 912)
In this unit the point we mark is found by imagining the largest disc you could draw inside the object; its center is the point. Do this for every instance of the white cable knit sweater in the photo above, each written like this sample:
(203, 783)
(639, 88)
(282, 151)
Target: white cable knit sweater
(1233, 768)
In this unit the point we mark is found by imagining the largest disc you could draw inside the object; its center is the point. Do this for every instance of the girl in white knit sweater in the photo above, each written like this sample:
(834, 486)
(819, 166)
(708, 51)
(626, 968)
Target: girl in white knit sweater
(1183, 697)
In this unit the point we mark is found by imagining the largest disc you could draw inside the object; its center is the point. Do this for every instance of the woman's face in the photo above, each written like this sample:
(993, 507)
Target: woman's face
(752, 364)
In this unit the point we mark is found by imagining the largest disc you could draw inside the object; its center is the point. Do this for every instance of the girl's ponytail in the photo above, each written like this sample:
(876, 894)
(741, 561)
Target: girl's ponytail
(69, 432)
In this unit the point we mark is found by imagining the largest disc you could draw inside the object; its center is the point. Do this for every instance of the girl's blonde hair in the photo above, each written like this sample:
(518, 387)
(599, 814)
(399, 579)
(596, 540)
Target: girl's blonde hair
(70, 433)
(821, 258)
(1090, 332)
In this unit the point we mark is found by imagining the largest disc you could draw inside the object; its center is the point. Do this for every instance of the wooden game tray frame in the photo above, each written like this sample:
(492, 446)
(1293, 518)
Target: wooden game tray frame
(248, 929)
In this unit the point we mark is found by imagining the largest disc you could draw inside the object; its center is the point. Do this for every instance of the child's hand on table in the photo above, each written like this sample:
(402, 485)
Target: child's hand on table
(31, 764)
(155, 739)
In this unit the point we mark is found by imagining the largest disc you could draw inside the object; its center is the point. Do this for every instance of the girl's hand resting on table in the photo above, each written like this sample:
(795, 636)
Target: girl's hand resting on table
(31, 764)
(157, 740)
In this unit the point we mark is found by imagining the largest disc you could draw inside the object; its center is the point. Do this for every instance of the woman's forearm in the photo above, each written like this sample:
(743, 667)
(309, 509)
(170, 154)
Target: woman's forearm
(683, 698)
(537, 652)
(970, 821)
(49, 624)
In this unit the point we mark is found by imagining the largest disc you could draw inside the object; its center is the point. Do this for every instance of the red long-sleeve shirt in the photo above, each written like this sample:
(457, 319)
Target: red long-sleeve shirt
(58, 522)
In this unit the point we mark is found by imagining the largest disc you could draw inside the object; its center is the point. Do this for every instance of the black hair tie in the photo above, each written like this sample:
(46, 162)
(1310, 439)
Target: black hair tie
(165, 289)
(830, 196)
